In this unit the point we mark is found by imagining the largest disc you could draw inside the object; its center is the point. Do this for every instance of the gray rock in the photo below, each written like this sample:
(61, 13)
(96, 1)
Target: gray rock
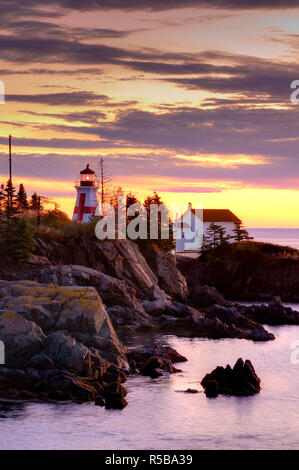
(241, 380)
(116, 294)
(170, 279)
(67, 353)
(203, 296)
(22, 338)
(40, 362)
(273, 314)
(124, 317)
(218, 322)
(124, 261)
(112, 291)
(76, 311)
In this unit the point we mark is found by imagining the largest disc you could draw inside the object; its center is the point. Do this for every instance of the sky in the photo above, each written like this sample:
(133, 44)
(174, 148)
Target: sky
(188, 98)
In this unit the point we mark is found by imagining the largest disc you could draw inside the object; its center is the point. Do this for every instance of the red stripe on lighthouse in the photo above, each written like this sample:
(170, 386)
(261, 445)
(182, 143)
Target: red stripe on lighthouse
(87, 210)
(81, 206)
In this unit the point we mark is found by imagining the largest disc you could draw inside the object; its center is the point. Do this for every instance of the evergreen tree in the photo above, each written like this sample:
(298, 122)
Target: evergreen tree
(216, 236)
(222, 236)
(16, 234)
(22, 198)
(131, 199)
(211, 239)
(34, 202)
(164, 244)
(2, 198)
(10, 205)
(8, 220)
(23, 242)
(240, 233)
(114, 195)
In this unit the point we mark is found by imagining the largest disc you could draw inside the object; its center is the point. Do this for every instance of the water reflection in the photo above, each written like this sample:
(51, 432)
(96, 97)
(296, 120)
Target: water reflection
(160, 418)
(10, 410)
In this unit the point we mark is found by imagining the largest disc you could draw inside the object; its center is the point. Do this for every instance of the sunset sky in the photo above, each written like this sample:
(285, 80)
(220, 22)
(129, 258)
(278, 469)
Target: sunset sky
(188, 98)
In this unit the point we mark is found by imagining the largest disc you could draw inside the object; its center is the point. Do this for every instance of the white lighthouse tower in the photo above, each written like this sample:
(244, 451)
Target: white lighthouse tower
(87, 200)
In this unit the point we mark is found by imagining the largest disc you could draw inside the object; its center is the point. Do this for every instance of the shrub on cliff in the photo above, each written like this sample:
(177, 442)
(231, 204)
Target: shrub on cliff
(16, 232)
(17, 243)
(55, 218)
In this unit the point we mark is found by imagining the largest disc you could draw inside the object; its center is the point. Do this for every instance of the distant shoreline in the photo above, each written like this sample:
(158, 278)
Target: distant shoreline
(271, 228)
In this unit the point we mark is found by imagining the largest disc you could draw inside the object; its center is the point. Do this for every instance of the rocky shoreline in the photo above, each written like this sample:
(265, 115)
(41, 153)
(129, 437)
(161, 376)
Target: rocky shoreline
(63, 325)
(250, 271)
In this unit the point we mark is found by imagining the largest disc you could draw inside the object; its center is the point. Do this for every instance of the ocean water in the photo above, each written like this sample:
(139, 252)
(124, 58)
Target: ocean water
(161, 416)
(279, 236)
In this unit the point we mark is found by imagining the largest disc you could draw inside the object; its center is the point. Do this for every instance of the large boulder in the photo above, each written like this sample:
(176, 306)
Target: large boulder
(116, 294)
(170, 279)
(120, 299)
(241, 380)
(122, 259)
(141, 355)
(112, 291)
(273, 314)
(66, 353)
(77, 311)
(127, 320)
(203, 296)
(54, 384)
(218, 322)
(114, 396)
(22, 338)
(155, 361)
(59, 344)
(157, 303)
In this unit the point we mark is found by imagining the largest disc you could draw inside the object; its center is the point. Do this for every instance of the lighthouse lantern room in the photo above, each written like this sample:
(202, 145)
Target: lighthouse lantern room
(87, 200)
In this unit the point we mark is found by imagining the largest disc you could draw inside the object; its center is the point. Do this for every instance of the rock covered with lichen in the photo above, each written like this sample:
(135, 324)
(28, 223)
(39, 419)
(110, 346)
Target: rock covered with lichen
(59, 341)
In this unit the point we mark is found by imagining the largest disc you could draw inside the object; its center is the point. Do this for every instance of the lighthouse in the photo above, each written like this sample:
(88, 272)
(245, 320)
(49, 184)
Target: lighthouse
(87, 199)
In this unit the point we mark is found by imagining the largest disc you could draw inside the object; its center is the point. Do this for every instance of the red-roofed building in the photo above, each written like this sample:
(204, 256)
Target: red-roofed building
(219, 216)
(197, 221)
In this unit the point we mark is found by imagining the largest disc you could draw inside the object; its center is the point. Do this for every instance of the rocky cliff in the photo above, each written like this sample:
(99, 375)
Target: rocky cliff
(135, 297)
(146, 292)
(61, 321)
(253, 271)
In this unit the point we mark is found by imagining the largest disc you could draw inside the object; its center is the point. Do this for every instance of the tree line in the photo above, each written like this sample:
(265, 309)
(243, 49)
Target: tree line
(112, 196)
(20, 217)
(216, 236)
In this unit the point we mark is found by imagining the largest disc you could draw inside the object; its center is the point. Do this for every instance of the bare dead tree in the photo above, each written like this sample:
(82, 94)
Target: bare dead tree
(105, 181)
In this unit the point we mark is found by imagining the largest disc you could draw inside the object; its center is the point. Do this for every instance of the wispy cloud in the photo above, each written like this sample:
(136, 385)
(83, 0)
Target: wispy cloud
(74, 98)
(158, 5)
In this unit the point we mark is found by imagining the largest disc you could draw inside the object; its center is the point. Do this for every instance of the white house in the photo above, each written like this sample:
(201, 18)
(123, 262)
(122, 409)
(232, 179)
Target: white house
(193, 224)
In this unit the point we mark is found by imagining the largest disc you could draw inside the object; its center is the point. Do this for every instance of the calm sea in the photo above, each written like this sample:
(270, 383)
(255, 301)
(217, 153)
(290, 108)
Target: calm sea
(160, 416)
(279, 236)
